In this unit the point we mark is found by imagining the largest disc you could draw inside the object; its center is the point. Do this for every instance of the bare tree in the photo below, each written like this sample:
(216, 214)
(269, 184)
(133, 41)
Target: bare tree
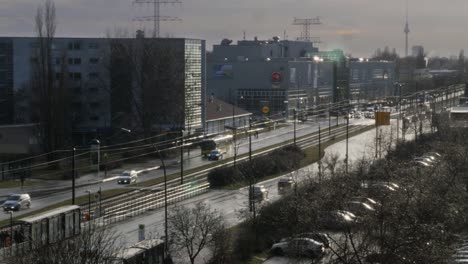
(49, 86)
(194, 228)
(153, 69)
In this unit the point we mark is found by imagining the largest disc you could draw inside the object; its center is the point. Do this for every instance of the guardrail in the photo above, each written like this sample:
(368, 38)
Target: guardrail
(147, 203)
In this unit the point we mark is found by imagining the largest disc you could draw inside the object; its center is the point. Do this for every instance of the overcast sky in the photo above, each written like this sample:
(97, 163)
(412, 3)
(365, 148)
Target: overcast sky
(357, 26)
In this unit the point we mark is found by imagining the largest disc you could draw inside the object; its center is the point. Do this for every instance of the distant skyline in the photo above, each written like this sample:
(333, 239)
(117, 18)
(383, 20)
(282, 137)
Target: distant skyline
(358, 27)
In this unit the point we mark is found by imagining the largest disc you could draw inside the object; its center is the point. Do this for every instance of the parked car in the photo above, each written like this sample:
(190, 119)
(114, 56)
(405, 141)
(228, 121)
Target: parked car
(285, 184)
(127, 177)
(317, 236)
(338, 219)
(299, 247)
(359, 208)
(16, 202)
(260, 193)
(215, 155)
(370, 201)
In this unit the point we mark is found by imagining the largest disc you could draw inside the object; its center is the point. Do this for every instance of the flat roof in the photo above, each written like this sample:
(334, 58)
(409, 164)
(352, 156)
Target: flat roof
(56, 211)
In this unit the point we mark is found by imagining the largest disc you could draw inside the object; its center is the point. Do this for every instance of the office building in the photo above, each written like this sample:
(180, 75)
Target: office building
(269, 77)
(104, 96)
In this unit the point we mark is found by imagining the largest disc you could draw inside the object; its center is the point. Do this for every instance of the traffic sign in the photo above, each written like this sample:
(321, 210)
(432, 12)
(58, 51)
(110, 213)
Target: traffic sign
(265, 109)
(382, 118)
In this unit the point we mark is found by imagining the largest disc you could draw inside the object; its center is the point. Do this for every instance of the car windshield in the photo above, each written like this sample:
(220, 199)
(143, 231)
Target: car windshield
(13, 198)
(126, 173)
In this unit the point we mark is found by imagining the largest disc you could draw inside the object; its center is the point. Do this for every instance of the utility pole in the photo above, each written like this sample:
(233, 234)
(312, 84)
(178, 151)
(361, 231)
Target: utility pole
(294, 126)
(320, 154)
(329, 120)
(156, 18)
(73, 175)
(182, 157)
(347, 140)
(166, 241)
(250, 139)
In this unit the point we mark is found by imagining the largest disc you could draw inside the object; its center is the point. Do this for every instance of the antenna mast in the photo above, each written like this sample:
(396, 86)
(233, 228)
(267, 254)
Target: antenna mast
(156, 17)
(306, 23)
(406, 30)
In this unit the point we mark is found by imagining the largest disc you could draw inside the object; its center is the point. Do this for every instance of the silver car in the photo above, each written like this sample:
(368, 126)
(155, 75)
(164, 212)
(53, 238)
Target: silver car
(16, 202)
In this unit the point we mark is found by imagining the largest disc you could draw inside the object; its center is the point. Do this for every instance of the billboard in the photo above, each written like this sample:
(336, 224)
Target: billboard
(382, 118)
(222, 71)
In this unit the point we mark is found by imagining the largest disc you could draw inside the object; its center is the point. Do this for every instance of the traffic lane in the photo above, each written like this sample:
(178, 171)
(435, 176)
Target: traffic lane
(190, 161)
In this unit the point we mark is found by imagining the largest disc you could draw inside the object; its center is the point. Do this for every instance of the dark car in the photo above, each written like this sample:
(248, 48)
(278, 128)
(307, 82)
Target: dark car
(215, 155)
(285, 184)
(317, 236)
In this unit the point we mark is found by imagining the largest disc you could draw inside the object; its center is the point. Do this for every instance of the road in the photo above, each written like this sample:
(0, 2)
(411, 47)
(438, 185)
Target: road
(232, 204)
(173, 166)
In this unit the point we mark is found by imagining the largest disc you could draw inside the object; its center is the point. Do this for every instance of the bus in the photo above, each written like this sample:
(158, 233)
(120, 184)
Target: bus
(221, 142)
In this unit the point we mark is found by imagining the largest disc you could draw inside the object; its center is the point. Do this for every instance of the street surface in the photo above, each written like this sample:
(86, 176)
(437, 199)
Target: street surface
(173, 166)
(232, 204)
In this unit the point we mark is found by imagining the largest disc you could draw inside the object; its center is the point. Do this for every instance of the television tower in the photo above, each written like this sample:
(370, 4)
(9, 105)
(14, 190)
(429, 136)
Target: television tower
(407, 31)
(156, 17)
(306, 23)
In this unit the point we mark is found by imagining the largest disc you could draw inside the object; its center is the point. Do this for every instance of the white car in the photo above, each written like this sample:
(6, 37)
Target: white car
(127, 177)
(300, 246)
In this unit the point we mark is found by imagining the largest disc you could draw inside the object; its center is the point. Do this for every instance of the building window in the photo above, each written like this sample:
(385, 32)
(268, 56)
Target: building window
(93, 89)
(76, 76)
(93, 75)
(76, 61)
(58, 61)
(94, 118)
(74, 46)
(94, 105)
(93, 60)
(93, 45)
(58, 76)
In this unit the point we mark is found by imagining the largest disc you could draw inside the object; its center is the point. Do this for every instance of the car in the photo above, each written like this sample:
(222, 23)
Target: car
(359, 208)
(323, 238)
(367, 200)
(215, 155)
(300, 246)
(260, 193)
(127, 177)
(16, 202)
(337, 219)
(285, 184)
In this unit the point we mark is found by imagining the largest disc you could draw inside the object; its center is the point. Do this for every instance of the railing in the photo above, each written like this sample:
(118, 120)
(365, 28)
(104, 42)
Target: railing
(146, 203)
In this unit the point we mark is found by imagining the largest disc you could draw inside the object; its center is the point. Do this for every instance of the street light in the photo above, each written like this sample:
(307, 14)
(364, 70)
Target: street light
(294, 111)
(165, 205)
(95, 143)
(182, 156)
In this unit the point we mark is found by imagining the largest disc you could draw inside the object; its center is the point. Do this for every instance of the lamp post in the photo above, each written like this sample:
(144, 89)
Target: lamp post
(347, 139)
(165, 206)
(95, 143)
(73, 175)
(250, 139)
(182, 156)
(319, 153)
(294, 111)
